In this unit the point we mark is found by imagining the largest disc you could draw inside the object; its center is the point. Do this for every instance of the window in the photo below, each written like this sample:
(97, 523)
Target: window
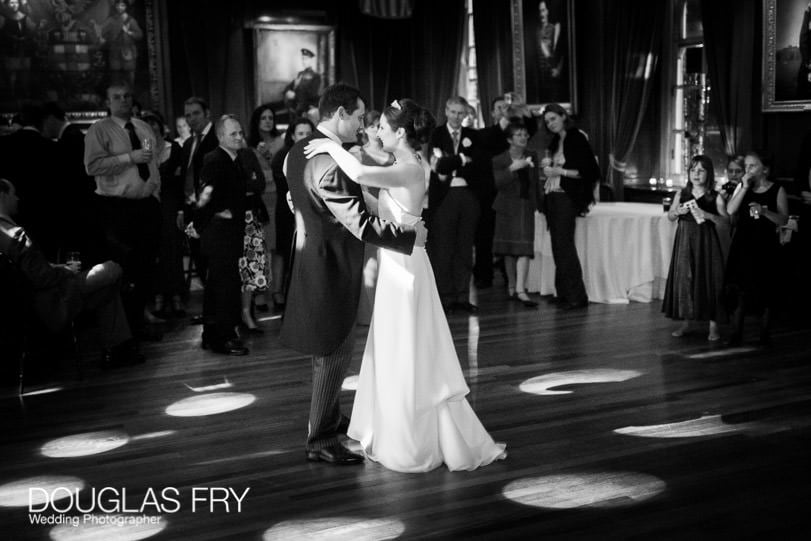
(468, 79)
(693, 125)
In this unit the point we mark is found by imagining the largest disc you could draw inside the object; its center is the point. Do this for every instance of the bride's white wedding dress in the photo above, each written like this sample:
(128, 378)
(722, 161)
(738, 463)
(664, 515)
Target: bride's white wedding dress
(410, 412)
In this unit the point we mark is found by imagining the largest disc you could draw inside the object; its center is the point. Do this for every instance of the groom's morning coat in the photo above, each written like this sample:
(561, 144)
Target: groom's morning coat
(332, 224)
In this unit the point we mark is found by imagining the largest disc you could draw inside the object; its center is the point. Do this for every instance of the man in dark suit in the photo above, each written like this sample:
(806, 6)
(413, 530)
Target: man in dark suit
(30, 162)
(76, 187)
(203, 140)
(59, 293)
(332, 224)
(453, 204)
(220, 223)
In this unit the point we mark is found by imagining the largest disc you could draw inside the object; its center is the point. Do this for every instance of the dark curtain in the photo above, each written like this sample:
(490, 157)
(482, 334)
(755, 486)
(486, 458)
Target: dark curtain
(211, 52)
(729, 39)
(494, 68)
(634, 51)
(416, 58)
(208, 56)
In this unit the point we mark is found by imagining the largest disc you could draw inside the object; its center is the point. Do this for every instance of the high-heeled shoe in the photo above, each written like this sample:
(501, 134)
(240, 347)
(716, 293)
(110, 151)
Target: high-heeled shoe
(248, 325)
(525, 300)
(244, 329)
(278, 303)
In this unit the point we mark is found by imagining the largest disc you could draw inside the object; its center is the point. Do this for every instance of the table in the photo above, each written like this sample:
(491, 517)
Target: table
(624, 249)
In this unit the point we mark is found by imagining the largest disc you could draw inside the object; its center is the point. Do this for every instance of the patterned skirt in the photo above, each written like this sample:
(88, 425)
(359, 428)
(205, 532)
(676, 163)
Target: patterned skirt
(253, 261)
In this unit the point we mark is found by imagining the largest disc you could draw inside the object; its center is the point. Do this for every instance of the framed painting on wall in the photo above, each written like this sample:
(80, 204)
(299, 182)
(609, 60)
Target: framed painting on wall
(293, 64)
(543, 51)
(68, 52)
(786, 55)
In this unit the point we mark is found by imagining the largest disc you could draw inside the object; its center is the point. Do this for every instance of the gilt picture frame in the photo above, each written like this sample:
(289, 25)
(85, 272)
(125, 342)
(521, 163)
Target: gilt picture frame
(293, 63)
(543, 38)
(786, 56)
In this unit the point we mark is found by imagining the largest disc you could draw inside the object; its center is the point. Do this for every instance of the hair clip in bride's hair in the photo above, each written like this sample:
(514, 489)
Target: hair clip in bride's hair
(396, 105)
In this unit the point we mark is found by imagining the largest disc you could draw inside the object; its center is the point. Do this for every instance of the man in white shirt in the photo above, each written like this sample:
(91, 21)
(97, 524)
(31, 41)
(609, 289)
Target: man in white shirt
(118, 153)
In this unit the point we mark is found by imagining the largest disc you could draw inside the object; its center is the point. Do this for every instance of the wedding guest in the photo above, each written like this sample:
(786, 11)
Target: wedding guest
(219, 222)
(571, 172)
(203, 140)
(119, 152)
(182, 130)
(253, 263)
(516, 178)
(30, 161)
(170, 283)
(74, 191)
(735, 169)
(370, 153)
(299, 129)
(62, 292)
(266, 140)
(453, 205)
(752, 277)
(695, 281)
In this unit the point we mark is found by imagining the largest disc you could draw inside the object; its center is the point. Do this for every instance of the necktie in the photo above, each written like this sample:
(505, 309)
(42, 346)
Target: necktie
(190, 187)
(143, 169)
(455, 135)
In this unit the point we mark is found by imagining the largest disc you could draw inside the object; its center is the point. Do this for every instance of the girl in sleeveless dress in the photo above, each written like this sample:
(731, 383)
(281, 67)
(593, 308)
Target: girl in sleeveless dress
(695, 281)
(410, 412)
(760, 207)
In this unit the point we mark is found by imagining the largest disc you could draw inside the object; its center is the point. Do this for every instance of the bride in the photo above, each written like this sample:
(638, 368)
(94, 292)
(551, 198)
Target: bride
(410, 412)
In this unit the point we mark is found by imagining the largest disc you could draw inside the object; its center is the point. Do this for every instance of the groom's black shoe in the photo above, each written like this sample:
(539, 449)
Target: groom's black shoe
(335, 454)
(466, 306)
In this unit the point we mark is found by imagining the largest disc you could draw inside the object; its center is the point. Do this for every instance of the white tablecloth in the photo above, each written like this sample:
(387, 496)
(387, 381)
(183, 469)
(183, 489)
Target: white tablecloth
(624, 250)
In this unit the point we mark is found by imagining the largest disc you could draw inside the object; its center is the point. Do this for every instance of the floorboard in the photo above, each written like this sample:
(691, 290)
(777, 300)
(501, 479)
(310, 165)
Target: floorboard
(636, 435)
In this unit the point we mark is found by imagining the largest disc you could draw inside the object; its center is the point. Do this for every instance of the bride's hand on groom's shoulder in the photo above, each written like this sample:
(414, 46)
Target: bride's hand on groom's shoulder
(319, 146)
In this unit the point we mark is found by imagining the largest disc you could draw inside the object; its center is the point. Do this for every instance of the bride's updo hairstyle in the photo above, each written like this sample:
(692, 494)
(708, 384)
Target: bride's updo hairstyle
(417, 121)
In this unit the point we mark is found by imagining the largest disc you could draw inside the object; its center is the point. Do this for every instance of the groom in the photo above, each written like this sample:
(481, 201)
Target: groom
(332, 224)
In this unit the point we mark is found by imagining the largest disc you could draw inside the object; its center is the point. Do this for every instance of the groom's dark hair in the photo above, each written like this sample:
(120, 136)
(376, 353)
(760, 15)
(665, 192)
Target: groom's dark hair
(338, 95)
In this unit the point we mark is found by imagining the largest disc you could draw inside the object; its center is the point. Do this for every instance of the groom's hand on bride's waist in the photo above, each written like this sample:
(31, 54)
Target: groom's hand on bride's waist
(422, 234)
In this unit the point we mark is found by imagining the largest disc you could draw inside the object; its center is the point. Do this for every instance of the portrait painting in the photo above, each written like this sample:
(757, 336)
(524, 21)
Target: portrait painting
(293, 64)
(543, 51)
(68, 50)
(786, 55)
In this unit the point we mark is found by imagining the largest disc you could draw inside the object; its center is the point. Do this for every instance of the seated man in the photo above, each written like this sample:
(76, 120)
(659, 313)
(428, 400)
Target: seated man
(62, 292)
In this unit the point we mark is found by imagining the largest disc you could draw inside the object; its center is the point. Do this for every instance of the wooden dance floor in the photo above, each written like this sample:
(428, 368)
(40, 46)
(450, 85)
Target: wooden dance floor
(614, 430)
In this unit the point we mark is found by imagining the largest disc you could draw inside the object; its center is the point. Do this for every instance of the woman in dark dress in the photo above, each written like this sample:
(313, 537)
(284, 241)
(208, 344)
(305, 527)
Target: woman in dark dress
(695, 281)
(571, 173)
(285, 221)
(170, 283)
(515, 172)
(760, 206)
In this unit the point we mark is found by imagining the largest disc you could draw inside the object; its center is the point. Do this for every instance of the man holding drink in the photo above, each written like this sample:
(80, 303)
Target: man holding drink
(118, 152)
